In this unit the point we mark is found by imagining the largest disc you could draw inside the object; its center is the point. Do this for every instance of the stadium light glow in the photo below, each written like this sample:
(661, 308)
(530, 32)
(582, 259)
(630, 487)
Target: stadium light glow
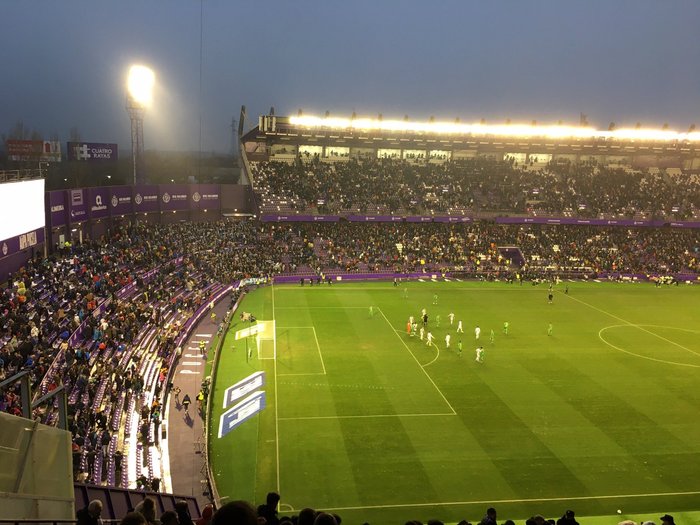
(140, 85)
(503, 130)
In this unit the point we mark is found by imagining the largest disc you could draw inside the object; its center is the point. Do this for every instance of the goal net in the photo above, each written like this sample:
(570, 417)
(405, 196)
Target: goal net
(265, 342)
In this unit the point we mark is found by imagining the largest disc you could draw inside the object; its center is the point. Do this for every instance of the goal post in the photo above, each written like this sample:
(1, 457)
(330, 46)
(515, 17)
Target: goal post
(265, 340)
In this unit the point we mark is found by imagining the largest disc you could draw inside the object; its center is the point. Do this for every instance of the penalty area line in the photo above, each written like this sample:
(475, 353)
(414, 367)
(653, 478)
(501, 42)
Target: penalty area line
(416, 360)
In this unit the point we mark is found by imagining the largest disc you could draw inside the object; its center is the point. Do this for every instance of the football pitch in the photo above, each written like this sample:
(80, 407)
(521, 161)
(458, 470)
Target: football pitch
(362, 419)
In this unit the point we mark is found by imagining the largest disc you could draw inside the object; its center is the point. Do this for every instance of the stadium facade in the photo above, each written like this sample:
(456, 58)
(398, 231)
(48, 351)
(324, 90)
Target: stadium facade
(283, 138)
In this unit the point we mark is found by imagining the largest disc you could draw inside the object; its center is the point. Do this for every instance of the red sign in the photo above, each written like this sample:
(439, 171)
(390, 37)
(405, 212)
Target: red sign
(38, 150)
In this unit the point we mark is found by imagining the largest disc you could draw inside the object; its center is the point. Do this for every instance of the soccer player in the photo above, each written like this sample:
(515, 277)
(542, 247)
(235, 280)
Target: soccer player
(437, 320)
(480, 354)
(459, 347)
(550, 329)
(410, 319)
(405, 293)
(408, 328)
(492, 337)
(566, 290)
(447, 341)
(425, 319)
(452, 318)
(435, 299)
(505, 327)
(429, 339)
(460, 330)
(477, 332)
(371, 311)
(550, 297)
(422, 333)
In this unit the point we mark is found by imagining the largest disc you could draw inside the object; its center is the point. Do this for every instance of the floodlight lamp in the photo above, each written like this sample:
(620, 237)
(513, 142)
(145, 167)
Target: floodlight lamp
(140, 85)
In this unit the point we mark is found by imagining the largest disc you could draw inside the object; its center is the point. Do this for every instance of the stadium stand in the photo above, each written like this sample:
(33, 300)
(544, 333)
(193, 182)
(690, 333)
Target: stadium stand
(561, 188)
(104, 318)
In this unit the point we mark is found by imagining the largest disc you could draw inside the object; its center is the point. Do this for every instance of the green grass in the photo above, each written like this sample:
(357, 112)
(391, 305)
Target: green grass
(362, 419)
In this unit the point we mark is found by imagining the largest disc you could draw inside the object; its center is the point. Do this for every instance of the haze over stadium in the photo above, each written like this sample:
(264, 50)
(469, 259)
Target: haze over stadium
(373, 262)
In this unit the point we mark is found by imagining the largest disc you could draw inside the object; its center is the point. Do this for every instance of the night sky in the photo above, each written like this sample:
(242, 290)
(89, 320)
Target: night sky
(64, 64)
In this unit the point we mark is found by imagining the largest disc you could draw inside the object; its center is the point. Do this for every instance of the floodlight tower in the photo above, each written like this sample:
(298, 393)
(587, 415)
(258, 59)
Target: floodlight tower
(139, 96)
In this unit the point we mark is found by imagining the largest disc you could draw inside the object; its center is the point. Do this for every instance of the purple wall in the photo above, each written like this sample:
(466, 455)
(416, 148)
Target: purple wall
(120, 200)
(77, 205)
(237, 198)
(146, 198)
(579, 222)
(98, 202)
(57, 208)
(205, 196)
(174, 197)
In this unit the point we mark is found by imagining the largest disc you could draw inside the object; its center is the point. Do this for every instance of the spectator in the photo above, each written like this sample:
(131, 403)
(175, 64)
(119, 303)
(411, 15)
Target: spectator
(183, 513)
(567, 519)
(91, 514)
(489, 518)
(235, 513)
(147, 507)
(169, 517)
(269, 509)
(207, 513)
(133, 518)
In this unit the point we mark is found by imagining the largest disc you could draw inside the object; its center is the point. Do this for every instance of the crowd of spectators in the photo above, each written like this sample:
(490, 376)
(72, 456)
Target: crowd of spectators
(476, 248)
(96, 319)
(243, 513)
(475, 186)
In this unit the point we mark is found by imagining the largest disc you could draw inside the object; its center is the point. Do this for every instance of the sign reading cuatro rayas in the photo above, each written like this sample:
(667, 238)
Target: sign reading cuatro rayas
(93, 151)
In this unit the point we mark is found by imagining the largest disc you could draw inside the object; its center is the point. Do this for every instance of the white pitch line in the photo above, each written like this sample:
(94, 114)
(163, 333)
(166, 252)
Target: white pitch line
(321, 307)
(323, 365)
(600, 336)
(436, 357)
(418, 362)
(302, 374)
(633, 325)
(523, 500)
(432, 344)
(277, 418)
(364, 416)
